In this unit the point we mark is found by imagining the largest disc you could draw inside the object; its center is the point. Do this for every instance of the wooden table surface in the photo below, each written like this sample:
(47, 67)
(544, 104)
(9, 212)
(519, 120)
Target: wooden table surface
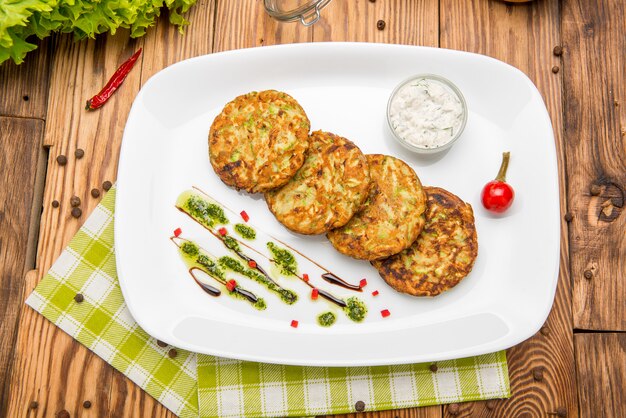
(575, 366)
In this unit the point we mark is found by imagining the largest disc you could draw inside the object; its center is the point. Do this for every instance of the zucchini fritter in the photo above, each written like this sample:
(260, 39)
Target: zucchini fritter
(442, 255)
(258, 141)
(327, 190)
(392, 217)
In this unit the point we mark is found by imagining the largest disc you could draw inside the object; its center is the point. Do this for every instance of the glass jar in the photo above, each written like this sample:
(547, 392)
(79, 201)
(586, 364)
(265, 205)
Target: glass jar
(306, 11)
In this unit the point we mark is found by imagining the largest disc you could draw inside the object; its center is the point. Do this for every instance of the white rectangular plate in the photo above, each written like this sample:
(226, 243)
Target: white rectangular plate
(344, 88)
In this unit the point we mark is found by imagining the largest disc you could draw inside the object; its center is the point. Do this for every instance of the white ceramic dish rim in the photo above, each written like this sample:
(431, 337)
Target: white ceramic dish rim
(124, 173)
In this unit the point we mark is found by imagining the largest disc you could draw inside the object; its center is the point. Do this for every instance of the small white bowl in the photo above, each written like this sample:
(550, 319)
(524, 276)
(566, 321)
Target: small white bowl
(422, 149)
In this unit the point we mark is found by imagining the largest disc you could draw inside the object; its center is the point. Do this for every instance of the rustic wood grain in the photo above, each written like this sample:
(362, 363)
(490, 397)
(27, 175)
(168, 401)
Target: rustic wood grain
(601, 369)
(165, 45)
(413, 22)
(595, 127)
(245, 24)
(49, 366)
(20, 141)
(24, 87)
(524, 35)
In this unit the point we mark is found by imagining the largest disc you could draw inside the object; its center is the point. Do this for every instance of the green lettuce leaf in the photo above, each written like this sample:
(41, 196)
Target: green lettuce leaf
(23, 20)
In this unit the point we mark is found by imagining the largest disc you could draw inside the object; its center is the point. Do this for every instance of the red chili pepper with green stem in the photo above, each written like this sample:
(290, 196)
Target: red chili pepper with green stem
(114, 82)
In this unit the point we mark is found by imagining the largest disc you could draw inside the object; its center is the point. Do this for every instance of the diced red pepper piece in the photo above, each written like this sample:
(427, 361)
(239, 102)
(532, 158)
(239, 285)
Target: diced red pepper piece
(305, 277)
(314, 294)
(385, 313)
(294, 323)
(375, 293)
(363, 283)
(252, 264)
(222, 231)
(244, 216)
(177, 232)
(231, 285)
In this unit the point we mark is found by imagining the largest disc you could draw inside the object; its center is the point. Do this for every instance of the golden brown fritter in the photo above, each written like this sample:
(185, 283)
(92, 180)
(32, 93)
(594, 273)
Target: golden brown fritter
(327, 190)
(442, 255)
(392, 217)
(258, 141)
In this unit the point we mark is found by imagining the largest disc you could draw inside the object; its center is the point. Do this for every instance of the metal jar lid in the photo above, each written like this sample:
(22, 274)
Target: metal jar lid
(306, 11)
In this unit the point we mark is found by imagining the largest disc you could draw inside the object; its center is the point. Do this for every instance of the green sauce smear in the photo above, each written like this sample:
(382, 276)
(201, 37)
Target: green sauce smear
(326, 319)
(231, 243)
(229, 263)
(206, 213)
(355, 309)
(245, 231)
(194, 256)
(284, 259)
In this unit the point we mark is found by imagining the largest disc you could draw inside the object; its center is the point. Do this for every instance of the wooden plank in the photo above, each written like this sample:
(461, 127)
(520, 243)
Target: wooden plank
(20, 141)
(524, 35)
(165, 45)
(410, 22)
(595, 123)
(245, 24)
(601, 370)
(24, 87)
(50, 367)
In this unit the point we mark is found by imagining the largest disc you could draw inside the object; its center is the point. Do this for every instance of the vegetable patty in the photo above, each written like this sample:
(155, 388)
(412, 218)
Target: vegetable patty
(392, 217)
(327, 190)
(259, 140)
(442, 255)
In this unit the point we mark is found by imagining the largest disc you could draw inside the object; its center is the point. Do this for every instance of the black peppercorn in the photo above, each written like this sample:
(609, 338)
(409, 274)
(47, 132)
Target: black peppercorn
(76, 212)
(107, 185)
(87, 404)
(79, 297)
(359, 406)
(161, 343)
(75, 201)
(62, 160)
(433, 367)
(380, 25)
(555, 69)
(79, 153)
(95, 193)
(55, 203)
(172, 353)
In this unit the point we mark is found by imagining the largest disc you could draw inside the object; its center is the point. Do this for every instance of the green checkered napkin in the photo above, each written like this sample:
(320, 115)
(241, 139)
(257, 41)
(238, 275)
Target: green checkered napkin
(102, 321)
(224, 387)
(233, 388)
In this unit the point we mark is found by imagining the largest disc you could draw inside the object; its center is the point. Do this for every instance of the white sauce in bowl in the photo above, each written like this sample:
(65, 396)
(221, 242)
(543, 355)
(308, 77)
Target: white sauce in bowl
(426, 113)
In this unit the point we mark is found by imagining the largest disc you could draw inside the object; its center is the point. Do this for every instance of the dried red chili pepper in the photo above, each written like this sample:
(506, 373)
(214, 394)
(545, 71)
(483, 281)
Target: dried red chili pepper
(114, 82)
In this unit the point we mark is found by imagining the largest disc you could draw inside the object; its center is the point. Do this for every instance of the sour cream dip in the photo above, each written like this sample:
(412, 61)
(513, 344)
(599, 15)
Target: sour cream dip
(427, 112)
